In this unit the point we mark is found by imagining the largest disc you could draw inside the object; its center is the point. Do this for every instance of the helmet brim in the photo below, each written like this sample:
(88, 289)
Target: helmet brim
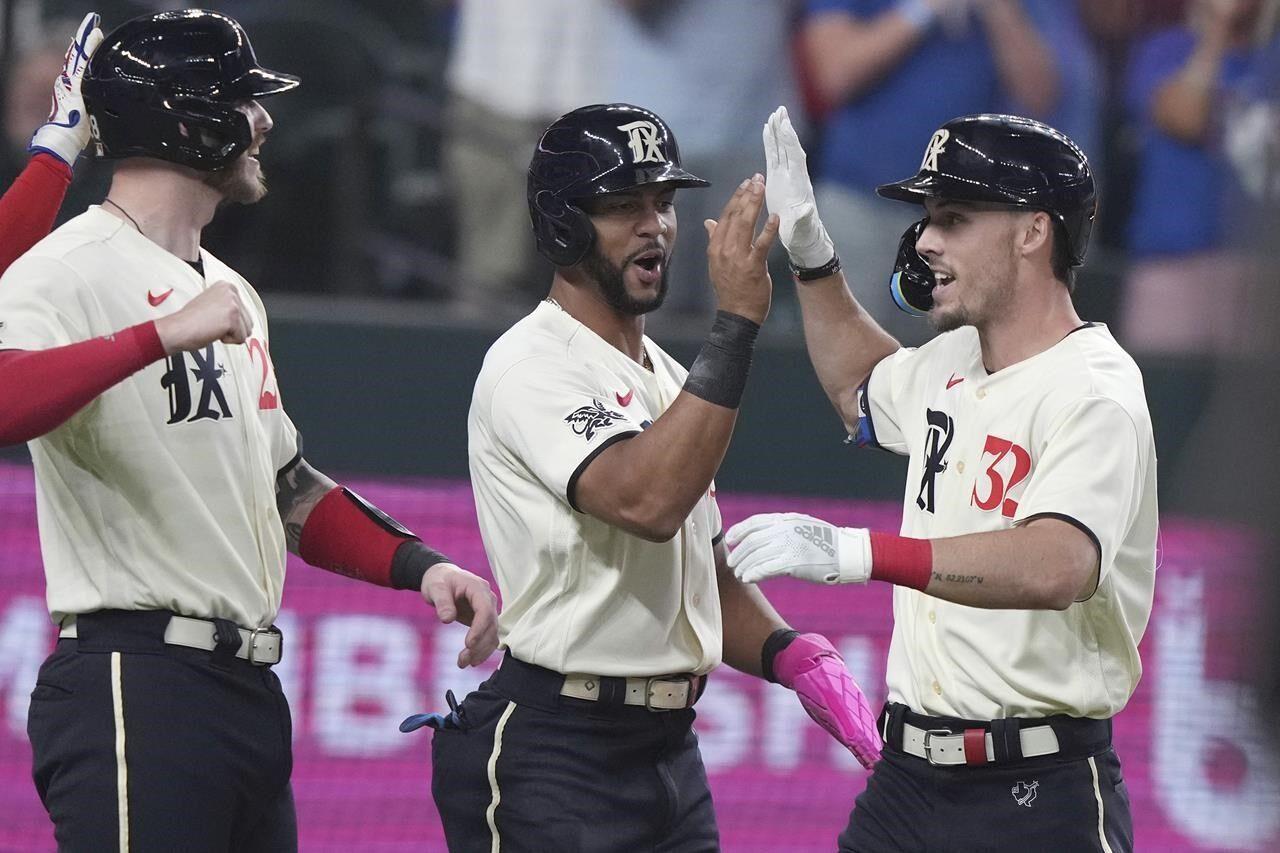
(915, 189)
(262, 82)
(621, 179)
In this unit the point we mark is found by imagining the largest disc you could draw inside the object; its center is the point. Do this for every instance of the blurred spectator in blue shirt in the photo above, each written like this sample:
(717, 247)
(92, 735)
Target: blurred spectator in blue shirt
(1184, 290)
(715, 70)
(891, 72)
(1078, 111)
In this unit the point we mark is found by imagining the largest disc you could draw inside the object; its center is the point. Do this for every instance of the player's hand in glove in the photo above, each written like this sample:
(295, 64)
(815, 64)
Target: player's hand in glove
(456, 594)
(66, 132)
(789, 194)
(813, 668)
(791, 543)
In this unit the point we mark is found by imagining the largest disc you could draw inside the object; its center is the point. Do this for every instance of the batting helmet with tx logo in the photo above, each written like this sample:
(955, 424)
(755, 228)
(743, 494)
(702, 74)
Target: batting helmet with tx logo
(603, 148)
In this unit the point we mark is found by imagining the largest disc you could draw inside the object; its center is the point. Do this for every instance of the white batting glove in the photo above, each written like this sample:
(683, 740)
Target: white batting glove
(789, 193)
(66, 132)
(791, 543)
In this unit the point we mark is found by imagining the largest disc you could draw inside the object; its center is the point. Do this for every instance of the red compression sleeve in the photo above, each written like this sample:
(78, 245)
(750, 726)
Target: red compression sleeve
(346, 534)
(340, 537)
(41, 389)
(29, 207)
(901, 561)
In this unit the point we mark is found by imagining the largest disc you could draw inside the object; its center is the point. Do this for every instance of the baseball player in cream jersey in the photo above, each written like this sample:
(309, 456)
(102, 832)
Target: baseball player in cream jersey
(1024, 569)
(592, 455)
(550, 369)
(169, 481)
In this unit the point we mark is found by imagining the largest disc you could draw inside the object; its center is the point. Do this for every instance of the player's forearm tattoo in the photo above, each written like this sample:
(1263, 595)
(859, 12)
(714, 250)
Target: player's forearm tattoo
(298, 490)
(948, 577)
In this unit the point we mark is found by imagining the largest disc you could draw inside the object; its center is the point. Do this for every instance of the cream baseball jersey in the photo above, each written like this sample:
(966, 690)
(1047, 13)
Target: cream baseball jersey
(580, 595)
(1065, 434)
(160, 494)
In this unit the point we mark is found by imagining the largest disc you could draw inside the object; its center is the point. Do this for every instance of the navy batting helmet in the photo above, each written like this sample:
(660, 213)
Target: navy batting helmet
(1008, 160)
(167, 85)
(594, 150)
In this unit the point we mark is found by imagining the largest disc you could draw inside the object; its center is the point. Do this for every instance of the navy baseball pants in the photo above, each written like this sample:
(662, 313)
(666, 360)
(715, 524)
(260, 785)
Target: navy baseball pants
(540, 772)
(1074, 801)
(144, 746)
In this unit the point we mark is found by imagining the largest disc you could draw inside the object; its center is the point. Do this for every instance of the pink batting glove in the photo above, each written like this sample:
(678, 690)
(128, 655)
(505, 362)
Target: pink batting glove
(813, 668)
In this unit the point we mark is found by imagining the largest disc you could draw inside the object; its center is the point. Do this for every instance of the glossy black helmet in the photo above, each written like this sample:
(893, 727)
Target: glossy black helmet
(912, 282)
(594, 150)
(166, 85)
(1008, 160)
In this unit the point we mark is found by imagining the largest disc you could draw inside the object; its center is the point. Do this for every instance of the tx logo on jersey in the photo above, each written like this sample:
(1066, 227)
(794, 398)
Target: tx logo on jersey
(937, 441)
(205, 373)
(937, 145)
(1024, 793)
(585, 420)
(646, 146)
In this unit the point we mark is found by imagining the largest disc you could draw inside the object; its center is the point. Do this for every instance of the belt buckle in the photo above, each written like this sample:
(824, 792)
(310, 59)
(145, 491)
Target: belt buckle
(253, 646)
(928, 750)
(653, 679)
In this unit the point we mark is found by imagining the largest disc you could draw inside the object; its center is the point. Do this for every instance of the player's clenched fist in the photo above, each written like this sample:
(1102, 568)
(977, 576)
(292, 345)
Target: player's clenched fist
(218, 314)
(737, 257)
(459, 595)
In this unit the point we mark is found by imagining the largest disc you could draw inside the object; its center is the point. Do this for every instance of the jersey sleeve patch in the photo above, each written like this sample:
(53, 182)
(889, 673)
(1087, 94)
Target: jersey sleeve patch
(589, 420)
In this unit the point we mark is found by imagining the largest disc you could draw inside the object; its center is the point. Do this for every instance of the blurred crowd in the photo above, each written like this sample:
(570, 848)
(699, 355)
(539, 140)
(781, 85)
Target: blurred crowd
(398, 169)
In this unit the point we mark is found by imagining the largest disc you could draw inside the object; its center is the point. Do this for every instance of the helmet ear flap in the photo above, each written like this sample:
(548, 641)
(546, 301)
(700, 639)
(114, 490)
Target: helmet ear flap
(563, 231)
(912, 281)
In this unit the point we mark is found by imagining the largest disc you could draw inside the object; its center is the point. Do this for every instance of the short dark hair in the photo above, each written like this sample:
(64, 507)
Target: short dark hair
(1060, 258)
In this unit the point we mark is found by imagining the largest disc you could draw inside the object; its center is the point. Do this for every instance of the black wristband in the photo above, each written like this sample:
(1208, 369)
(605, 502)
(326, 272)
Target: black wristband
(719, 373)
(777, 641)
(831, 267)
(410, 564)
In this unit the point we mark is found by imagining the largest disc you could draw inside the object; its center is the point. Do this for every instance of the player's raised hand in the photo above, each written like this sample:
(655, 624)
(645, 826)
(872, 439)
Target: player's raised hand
(456, 594)
(218, 314)
(737, 257)
(770, 545)
(66, 132)
(813, 668)
(789, 192)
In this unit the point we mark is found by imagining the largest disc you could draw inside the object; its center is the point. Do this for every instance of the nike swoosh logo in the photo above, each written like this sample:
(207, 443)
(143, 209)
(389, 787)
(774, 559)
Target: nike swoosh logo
(156, 300)
(952, 381)
(624, 400)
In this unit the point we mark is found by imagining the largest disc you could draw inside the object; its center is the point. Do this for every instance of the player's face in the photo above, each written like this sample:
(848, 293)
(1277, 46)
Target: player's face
(971, 250)
(631, 255)
(242, 181)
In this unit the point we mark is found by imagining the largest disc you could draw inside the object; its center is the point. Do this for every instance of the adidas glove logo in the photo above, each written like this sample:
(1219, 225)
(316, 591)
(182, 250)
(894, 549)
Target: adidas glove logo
(820, 536)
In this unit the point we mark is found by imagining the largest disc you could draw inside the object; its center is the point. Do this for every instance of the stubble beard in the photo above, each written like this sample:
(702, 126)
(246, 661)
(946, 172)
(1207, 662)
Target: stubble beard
(990, 305)
(237, 184)
(613, 286)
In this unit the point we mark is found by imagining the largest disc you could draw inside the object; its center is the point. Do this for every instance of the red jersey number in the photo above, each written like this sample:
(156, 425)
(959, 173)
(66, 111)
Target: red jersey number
(267, 399)
(997, 487)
